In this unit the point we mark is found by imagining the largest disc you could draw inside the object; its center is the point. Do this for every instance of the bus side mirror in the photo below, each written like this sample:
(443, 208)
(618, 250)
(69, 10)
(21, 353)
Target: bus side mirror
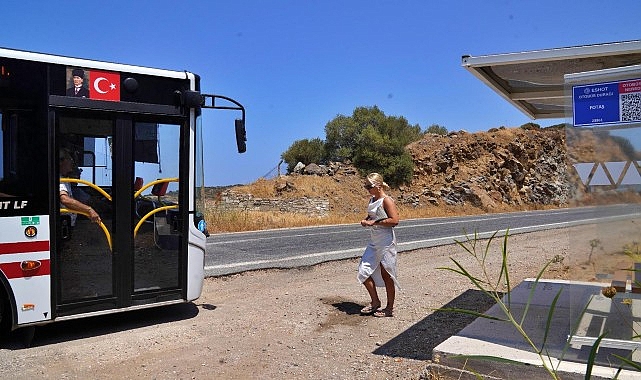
(241, 135)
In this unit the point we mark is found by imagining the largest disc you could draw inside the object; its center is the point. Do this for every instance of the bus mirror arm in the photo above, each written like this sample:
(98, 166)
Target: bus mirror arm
(209, 101)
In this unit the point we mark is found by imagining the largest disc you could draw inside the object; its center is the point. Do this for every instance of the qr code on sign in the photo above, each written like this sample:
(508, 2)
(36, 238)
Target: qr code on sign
(631, 106)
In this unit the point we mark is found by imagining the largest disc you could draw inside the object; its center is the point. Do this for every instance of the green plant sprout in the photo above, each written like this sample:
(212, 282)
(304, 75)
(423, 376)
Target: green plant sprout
(594, 243)
(494, 288)
(633, 251)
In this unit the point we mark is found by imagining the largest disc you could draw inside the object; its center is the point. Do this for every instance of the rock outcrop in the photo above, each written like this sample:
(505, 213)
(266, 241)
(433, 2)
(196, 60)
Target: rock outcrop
(514, 167)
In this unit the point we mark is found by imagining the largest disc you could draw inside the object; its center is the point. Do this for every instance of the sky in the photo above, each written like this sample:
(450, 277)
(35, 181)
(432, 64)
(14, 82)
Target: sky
(297, 64)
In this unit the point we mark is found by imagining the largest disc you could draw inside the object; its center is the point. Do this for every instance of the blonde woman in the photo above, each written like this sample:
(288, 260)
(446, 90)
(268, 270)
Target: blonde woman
(377, 267)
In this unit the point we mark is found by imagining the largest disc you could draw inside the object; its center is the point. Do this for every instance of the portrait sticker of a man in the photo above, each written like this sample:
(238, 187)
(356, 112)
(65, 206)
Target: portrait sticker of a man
(78, 89)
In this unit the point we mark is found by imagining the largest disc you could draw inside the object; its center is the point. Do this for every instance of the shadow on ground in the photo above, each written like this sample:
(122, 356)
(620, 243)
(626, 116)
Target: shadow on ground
(347, 307)
(99, 325)
(419, 341)
(343, 315)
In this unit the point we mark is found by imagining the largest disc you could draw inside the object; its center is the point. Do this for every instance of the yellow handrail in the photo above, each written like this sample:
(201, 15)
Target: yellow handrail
(102, 225)
(96, 187)
(150, 184)
(136, 195)
(150, 213)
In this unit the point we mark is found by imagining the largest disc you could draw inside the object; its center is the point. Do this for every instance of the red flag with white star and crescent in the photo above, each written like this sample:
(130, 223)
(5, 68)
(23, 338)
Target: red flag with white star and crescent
(104, 85)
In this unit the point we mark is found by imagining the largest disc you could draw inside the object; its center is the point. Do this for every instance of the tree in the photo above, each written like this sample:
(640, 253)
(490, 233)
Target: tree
(305, 151)
(374, 142)
(340, 138)
(385, 156)
(436, 129)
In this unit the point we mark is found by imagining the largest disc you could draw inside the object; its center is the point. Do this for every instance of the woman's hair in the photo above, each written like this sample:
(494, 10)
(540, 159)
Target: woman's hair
(376, 179)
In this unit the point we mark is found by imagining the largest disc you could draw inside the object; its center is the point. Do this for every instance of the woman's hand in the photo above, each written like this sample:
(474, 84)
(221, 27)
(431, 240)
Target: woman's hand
(367, 222)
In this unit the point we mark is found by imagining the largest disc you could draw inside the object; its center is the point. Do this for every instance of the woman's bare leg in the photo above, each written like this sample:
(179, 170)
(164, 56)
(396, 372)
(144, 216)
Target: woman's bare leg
(371, 289)
(390, 289)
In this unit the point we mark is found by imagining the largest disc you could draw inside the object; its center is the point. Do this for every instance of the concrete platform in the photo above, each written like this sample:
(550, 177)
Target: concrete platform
(580, 315)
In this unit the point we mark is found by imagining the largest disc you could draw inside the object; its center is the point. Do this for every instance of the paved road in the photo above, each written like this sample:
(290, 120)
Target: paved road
(285, 248)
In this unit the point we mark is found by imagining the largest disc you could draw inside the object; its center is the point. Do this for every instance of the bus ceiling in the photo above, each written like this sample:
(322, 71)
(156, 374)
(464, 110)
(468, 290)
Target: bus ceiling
(194, 99)
(533, 81)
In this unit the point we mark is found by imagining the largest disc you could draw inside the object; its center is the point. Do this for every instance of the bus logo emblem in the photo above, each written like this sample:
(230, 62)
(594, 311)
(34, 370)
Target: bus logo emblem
(30, 231)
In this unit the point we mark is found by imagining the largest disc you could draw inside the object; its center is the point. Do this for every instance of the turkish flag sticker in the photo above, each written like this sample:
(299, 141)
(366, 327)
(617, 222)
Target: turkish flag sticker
(104, 85)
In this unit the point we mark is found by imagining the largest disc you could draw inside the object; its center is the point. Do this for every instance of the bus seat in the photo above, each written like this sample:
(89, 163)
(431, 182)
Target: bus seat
(160, 189)
(138, 184)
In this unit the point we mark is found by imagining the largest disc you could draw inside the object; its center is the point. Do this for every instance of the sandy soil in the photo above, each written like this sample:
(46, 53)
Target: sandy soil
(291, 324)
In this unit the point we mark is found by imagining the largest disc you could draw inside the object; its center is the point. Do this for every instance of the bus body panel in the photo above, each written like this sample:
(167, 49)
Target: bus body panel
(31, 289)
(197, 241)
(195, 267)
(79, 62)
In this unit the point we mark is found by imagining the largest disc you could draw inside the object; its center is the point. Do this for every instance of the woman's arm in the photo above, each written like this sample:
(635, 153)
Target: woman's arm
(392, 213)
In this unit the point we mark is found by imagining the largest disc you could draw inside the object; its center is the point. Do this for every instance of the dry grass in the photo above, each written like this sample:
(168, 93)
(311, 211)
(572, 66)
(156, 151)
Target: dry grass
(246, 220)
(348, 202)
(346, 195)
(235, 221)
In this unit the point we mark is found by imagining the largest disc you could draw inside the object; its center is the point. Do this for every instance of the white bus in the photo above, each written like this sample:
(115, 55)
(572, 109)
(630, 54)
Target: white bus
(132, 138)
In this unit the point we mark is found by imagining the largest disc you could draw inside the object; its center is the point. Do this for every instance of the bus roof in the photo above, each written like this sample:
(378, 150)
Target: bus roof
(533, 81)
(91, 64)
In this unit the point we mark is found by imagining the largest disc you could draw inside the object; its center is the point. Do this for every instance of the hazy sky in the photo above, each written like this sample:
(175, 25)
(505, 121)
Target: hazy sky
(297, 64)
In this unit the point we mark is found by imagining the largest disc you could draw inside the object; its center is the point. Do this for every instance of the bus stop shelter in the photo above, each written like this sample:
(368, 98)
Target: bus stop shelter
(548, 84)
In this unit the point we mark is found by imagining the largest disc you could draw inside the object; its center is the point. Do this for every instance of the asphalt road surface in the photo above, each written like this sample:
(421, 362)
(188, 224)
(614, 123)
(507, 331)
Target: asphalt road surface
(294, 247)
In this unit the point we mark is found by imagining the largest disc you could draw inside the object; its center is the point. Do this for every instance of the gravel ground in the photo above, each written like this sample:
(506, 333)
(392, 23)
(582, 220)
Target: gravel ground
(283, 324)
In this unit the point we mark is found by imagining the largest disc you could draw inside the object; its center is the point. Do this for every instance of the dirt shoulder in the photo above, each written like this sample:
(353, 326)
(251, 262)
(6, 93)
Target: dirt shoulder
(268, 324)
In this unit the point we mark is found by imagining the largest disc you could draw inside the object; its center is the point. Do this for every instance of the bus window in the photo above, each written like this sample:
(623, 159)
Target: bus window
(1, 150)
(22, 164)
(95, 164)
(199, 183)
(8, 154)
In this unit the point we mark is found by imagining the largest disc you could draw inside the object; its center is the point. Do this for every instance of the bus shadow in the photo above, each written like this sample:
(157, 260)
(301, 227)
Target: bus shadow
(99, 325)
(419, 341)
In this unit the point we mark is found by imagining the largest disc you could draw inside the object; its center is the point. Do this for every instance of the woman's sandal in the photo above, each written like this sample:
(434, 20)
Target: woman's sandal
(383, 313)
(369, 309)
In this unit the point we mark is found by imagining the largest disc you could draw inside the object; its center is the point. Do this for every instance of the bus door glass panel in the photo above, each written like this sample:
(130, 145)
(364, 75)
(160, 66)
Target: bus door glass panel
(157, 232)
(85, 171)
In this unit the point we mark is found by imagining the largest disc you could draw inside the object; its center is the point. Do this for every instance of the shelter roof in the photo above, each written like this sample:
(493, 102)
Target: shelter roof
(533, 80)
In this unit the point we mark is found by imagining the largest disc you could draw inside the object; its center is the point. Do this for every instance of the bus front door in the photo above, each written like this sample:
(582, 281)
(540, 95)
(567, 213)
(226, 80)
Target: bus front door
(127, 171)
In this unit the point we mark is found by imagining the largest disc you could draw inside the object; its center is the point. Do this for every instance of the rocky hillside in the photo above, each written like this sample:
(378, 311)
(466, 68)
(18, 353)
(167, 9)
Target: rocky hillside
(504, 169)
(488, 170)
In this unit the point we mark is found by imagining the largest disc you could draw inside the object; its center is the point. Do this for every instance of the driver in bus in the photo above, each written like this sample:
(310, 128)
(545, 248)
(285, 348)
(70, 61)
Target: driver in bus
(67, 166)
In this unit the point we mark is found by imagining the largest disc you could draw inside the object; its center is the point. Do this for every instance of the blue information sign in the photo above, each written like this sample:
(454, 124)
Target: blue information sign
(596, 104)
(607, 103)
